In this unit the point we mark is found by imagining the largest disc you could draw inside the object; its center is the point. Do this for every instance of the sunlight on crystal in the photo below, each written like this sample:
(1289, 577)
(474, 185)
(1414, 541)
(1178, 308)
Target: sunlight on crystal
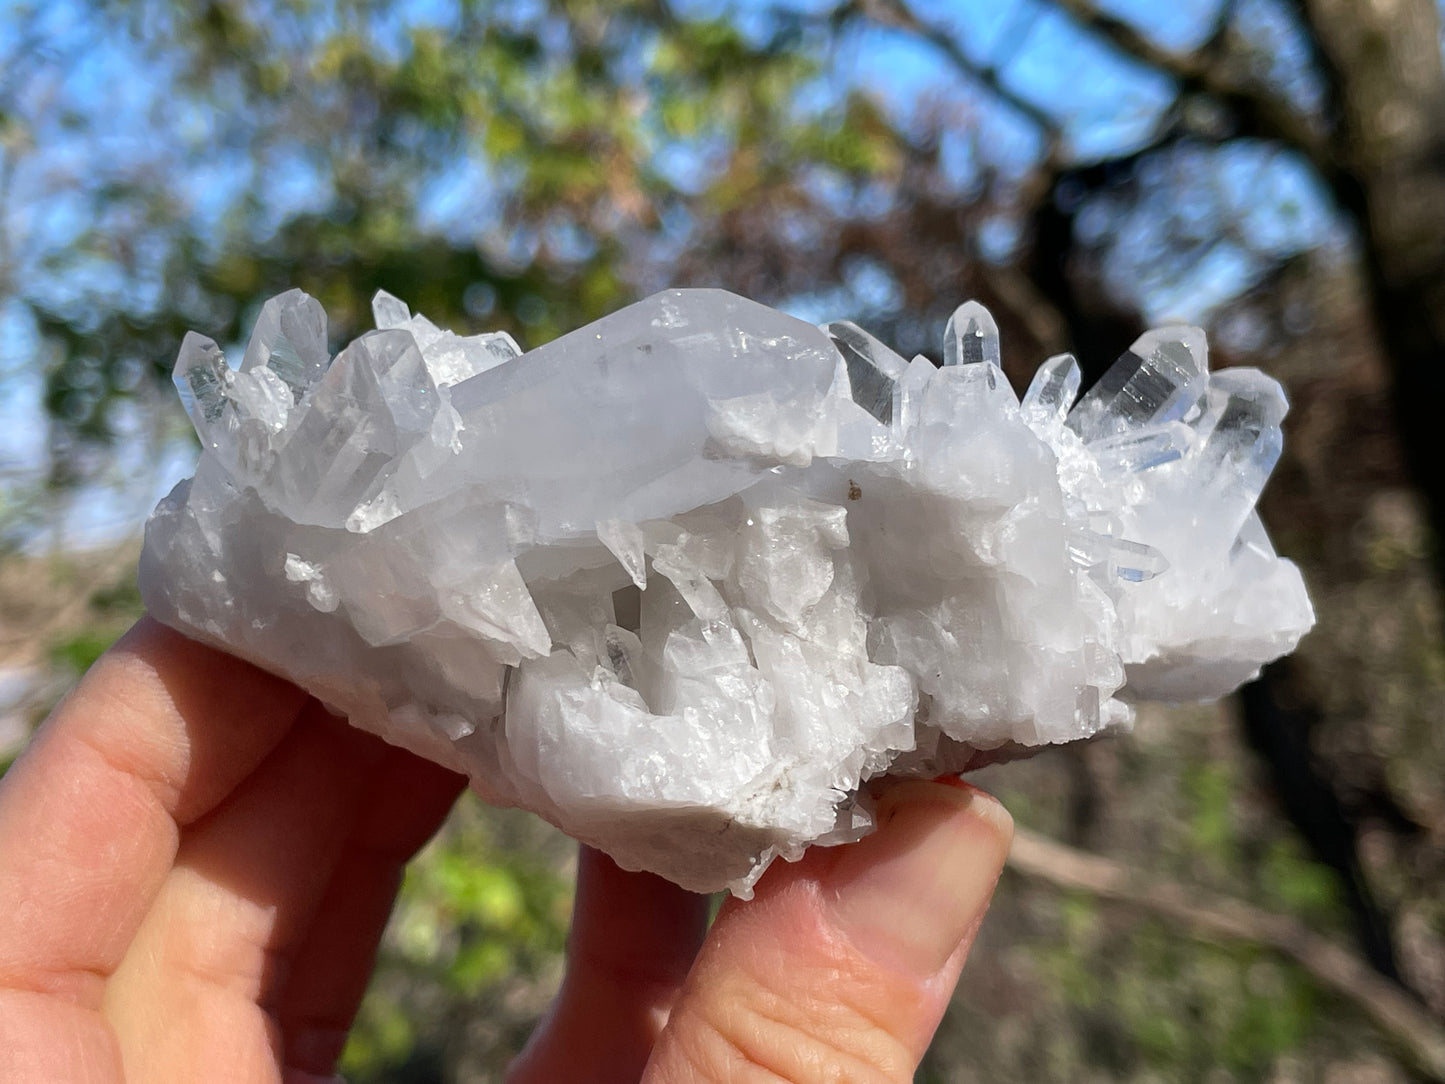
(683, 580)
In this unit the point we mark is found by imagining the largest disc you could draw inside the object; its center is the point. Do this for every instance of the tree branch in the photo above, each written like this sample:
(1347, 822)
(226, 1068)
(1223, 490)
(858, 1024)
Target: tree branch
(897, 14)
(1411, 1028)
(1127, 39)
(1204, 71)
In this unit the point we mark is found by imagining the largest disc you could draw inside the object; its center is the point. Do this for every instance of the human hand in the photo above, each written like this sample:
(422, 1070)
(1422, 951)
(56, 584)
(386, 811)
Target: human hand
(196, 863)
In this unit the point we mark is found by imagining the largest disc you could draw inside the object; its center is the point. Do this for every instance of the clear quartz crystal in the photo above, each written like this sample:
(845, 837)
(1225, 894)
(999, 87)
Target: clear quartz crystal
(1140, 449)
(389, 311)
(971, 337)
(290, 340)
(1245, 442)
(1134, 561)
(1156, 380)
(450, 358)
(202, 378)
(873, 369)
(1051, 393)
(683, 580)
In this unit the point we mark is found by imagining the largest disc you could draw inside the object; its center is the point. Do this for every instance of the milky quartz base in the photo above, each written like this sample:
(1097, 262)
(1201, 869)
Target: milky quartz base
(683, 580)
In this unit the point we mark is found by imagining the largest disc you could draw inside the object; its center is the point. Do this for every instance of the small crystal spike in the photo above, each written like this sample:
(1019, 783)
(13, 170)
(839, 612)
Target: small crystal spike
(971, 337)
(1134, 451)
(501, 346)
(290, 340)
(1244, 442)
(1253, 539)
(1051, 392)
(873, 369)
(624, 541)
(1135, 562)
(402, 378)
(202, 377)
(389, 311)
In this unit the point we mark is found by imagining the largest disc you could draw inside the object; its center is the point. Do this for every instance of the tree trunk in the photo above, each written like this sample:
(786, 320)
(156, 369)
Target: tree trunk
(1383, 62)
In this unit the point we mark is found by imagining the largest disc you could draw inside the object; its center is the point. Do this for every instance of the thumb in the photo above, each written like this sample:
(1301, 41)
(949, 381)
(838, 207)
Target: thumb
(842, 966)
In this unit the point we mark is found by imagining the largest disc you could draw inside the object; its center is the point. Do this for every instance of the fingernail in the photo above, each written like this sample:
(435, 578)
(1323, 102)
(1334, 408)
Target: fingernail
(910, 893)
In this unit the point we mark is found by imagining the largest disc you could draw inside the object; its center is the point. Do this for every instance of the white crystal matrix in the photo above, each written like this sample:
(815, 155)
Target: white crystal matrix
(683, 580)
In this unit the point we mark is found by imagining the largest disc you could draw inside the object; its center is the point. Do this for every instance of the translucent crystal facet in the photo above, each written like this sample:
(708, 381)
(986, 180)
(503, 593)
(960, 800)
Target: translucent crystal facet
(971, 337)
(1156, 380)
(290, 340)
(873, 369)
(202, 378)
(1051, 393)
(684, 580)
(388, 311)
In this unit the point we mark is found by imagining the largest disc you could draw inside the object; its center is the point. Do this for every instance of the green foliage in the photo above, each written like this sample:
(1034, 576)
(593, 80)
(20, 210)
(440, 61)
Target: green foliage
(1175, 1006)
(482, 914)
(110, 609)
(1067, 961)
(382, 1037)
(506, 164)
(1294, 883)
(506, 916)
(120, 599)
(79, 651)
(1211, 790)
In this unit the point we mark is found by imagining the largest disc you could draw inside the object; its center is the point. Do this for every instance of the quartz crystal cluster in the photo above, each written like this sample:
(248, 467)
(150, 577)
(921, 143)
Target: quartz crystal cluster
(684, 580)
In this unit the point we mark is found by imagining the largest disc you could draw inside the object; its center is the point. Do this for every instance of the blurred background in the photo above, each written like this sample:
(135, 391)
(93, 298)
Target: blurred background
(1247, 891)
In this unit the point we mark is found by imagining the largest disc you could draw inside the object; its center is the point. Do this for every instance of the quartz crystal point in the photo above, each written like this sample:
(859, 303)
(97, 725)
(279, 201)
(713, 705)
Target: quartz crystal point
(873, 370)
(1158, 379)
(290, 340)
(971, 337)
(684, 580)
(1051, 393)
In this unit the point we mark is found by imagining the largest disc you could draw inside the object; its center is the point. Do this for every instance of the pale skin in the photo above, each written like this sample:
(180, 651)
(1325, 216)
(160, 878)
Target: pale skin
(197, 861)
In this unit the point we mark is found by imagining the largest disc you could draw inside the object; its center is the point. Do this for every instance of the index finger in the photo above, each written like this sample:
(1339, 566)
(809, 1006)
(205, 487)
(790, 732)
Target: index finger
(157, 733)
